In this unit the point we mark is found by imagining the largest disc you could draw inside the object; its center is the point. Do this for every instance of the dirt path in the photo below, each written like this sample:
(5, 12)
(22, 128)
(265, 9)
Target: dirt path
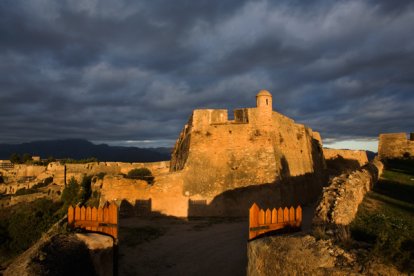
(167, 246)
(201, 247)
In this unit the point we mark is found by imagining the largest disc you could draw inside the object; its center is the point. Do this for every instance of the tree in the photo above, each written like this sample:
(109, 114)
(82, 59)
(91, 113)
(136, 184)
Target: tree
(26, 158)
(86, 190)
(70, 195)
(15, 158)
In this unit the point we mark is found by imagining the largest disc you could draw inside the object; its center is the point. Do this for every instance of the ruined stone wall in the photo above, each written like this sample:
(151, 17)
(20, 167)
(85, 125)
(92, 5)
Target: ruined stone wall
(216, 155)
(301, 254)
(395, 145)
(166, 193)
(23, 170)
(61, 173)
(340, 200)
(359, 156)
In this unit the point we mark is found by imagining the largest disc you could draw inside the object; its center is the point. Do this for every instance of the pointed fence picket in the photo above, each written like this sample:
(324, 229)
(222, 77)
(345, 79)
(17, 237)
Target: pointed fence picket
(262, 221)
(103, 219)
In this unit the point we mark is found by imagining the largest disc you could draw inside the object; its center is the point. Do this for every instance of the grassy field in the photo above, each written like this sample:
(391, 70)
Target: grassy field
(385, 219)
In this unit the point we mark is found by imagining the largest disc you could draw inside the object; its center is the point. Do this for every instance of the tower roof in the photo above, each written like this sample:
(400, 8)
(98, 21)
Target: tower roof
(263, 93)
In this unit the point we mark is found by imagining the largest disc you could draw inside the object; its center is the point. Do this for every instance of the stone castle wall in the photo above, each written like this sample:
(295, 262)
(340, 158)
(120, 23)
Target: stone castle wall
(220, 166)
(395, 145)
(252, 149)
(359, 156)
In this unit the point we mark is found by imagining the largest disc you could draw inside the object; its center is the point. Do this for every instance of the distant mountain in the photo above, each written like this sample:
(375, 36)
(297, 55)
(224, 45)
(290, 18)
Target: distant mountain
(81, 149)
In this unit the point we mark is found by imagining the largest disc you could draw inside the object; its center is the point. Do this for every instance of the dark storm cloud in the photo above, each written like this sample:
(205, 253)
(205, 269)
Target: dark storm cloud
(133, 71)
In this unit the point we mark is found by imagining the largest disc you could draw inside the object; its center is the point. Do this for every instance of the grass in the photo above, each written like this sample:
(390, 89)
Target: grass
(385, 219)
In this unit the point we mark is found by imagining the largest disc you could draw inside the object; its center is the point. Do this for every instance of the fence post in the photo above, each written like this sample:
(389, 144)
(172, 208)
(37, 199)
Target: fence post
(298, 216)
(83, 213)
(113, 210)
(253, 220)
(274, 215)
(292, 216)
(71, 216)
(279, 215)
(94, 217)
(88, 217)
(285, 215)
(268, 216)
(77, 213)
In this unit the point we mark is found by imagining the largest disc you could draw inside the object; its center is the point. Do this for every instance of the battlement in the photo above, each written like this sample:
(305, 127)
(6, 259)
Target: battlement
(396, 145)
(258, 146)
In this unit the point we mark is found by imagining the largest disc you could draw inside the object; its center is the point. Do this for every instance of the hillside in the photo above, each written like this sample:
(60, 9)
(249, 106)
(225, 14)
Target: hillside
(81, 149)
(385, 219)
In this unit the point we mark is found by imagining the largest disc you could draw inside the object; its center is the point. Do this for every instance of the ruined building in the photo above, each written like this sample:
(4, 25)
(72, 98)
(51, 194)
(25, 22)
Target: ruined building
(395, 145)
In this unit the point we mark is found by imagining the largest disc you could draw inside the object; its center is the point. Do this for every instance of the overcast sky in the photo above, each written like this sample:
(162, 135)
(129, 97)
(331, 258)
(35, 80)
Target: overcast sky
(131, 72)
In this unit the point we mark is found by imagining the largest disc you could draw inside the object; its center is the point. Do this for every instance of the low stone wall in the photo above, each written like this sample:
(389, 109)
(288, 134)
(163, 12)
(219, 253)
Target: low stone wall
(302, 254)
(359, 156)
(340, 200)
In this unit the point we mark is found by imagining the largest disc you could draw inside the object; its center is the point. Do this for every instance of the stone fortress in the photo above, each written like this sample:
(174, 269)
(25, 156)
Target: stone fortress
(258, 146)
(395, 145)
(218, 166)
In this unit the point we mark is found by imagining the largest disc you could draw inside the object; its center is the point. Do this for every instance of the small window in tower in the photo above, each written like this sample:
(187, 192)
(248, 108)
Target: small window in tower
(267, 102)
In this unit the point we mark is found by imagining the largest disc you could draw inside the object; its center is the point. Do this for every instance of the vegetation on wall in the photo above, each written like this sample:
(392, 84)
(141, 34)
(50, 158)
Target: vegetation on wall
(85, 189)
(142, 174)
(75, 193)
(25, 191)
(79, 161)
(70, 195)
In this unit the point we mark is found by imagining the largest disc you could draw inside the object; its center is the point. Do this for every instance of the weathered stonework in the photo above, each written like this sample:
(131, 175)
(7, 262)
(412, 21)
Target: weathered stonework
(259, 146)
(395, 145)
(340, 200)
(302, 254)
(25, 176)
(359, 156)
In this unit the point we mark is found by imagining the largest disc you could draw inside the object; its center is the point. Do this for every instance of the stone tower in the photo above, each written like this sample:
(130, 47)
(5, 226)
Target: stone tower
(264, 104)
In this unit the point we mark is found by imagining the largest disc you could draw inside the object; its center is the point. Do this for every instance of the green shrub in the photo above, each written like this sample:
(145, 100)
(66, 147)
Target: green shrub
(80, 161)
(142, 174)
(85, 189)
(24, 191)
(94, 199)
(48, 181)
(70, 195)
